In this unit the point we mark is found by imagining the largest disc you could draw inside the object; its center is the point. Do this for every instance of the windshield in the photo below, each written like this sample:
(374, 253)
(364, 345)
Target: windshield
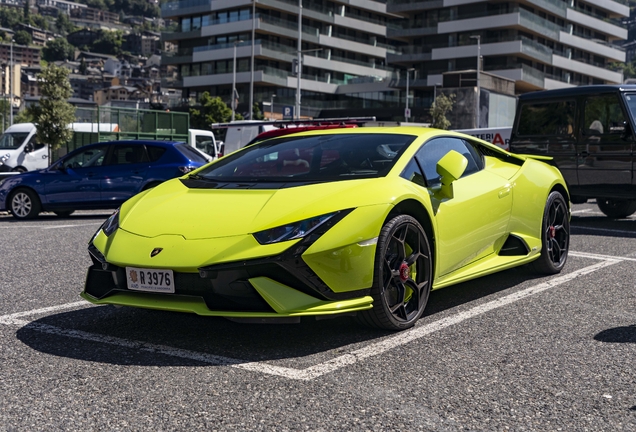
(311, 158)
(11, 141)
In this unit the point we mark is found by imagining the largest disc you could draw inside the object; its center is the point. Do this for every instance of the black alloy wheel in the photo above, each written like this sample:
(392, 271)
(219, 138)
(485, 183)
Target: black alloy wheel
(403, 276)
(555, 235)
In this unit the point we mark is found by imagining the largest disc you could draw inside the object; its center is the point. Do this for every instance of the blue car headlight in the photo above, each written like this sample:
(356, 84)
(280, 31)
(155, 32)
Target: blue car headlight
(292, 231)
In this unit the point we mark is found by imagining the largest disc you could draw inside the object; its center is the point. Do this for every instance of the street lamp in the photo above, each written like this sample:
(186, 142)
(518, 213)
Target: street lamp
(478, 37)
(252, 60)
(407, 113)
(271, 107)
(300, 54)
(435, 90)
(11, 86)
(234, 80)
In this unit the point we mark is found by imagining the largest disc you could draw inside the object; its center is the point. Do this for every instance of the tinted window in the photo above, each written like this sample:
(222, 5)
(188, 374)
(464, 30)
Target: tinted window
(413, 173)
(437, 148)
(312, 158)
(127, 154)
(603, 115)
(91, 157)
(551, 118)
(190, 153)
(154, 152)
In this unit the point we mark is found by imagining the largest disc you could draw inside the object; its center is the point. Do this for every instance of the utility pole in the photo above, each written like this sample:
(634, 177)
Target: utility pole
(252, 60)
(478, 37)
(300, 58)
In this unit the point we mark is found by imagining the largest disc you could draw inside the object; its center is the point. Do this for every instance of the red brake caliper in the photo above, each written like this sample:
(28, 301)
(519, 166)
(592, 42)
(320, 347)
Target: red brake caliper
(405, 272)
(552, 232)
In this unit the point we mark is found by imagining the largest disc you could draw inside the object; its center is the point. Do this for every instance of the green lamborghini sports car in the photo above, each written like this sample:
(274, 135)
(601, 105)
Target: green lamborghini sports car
(363, 221)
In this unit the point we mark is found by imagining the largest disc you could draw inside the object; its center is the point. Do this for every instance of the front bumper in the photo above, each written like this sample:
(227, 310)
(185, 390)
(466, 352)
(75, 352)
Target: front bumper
(280, 284)
(251, 297)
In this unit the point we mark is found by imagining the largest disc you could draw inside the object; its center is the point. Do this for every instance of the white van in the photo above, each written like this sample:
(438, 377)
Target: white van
(20, 151)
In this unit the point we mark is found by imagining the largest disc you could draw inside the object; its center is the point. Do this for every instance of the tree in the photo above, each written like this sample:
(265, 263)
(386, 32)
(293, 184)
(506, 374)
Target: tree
(22, 37)
(108, 42)
(58, 49)
(53, 114)
(442, 105)
(64, 24)
(210, 110)
(256, 112)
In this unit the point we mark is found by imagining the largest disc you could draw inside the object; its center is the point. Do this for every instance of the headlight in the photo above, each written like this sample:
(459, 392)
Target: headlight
(4, 158)
(292, 231)
(109, 226)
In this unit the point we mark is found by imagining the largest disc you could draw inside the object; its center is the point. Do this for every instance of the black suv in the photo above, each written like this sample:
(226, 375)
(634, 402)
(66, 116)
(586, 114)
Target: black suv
(589, 131)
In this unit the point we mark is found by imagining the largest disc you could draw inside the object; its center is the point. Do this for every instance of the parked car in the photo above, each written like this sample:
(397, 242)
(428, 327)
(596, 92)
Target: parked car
(589, 133)
(341, 221)
(97, 176)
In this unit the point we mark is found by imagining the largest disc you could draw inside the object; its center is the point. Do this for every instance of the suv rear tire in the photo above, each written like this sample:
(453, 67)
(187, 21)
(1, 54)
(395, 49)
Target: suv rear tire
(616, 209)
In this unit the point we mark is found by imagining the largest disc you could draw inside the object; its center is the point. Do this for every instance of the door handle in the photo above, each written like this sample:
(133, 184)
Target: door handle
(505, 191)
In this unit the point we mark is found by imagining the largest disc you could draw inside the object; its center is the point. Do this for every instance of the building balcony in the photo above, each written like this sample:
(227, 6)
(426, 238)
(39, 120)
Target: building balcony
(184, 7)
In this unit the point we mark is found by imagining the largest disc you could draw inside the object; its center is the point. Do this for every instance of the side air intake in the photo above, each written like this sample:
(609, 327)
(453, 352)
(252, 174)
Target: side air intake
(514, 246)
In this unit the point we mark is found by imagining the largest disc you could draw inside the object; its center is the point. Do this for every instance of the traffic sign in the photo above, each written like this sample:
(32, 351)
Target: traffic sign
(288, 113)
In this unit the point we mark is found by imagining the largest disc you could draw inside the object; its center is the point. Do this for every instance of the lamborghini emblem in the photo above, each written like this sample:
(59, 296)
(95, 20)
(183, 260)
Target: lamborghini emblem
(155, 252)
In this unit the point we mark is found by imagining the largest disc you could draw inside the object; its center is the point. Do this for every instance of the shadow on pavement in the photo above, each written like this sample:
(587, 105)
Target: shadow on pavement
(618, 335)
(220, 337)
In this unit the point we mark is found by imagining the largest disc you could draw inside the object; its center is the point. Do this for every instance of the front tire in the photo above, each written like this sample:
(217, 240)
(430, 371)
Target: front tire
(616, 209)
(402, 277)
(555, 235)
(24, 204)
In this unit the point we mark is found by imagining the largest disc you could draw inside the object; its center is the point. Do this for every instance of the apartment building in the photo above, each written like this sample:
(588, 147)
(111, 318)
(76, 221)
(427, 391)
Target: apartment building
(356, 54)
(343, 43)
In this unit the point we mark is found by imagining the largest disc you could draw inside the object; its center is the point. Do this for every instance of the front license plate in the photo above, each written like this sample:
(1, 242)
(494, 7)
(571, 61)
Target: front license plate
(153, 280)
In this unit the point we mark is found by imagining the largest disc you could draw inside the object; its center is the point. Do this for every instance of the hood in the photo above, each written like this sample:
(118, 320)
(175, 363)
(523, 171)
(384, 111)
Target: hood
(172, 208)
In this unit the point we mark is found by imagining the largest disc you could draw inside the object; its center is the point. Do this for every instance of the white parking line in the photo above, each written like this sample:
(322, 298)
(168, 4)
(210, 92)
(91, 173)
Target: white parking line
(320, 369)
(12, 226)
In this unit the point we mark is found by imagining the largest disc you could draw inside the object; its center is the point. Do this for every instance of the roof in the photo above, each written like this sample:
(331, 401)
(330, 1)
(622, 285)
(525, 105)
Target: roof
(577, 91)
(161, 143)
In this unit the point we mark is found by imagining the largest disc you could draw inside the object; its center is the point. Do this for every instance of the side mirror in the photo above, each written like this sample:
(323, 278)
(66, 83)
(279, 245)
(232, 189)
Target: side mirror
(627, 131)
(28, 148)
(450, 168)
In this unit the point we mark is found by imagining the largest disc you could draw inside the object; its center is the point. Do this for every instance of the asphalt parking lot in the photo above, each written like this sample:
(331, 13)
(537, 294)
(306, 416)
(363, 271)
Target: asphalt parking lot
(511, 351)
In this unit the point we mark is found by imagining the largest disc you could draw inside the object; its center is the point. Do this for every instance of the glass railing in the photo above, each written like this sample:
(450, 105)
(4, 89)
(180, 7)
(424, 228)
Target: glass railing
(318, 7)
(182, 4)
(292, 25)
(536, 49)
(539, 24)
(615, 21)
(322, 55)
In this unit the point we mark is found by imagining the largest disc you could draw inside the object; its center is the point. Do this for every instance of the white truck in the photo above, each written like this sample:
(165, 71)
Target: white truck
(20, 150)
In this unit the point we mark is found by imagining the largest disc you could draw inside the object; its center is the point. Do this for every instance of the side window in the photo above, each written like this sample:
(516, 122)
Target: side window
(127, 154)
(35, 142)
(603, 115)
(87, 158)
(435, 149)
(413, 173)
(154, 152)
(548, 118)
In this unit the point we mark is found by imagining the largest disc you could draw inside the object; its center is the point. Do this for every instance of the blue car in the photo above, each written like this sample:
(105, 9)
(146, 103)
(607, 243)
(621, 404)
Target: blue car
(97, 176)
